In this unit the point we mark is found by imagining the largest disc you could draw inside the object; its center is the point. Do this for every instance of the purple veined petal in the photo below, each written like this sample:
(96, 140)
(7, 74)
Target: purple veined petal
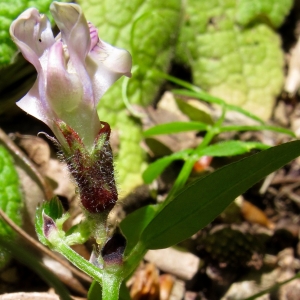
(64, 90)
(106, 64)
(33, 35)
(31, 103)
(65, 93)
(75, 34)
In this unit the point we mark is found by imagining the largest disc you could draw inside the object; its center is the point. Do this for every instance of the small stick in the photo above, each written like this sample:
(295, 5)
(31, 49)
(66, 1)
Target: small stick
(42, 248)
(21, 155)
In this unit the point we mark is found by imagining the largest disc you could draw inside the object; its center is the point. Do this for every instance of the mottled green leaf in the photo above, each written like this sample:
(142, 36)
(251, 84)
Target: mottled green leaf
(148, 29)
(10, 199)
(201, 202)
(243, 65)
(268, 11)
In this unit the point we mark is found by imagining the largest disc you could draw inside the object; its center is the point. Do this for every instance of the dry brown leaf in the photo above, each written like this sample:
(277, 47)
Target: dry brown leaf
(166, 283)
(145, 284)
(253, 214)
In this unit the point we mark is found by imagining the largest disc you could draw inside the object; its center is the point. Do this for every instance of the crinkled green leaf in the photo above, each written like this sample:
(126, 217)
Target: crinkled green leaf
(10, 10)
(10, 199)
(198, 204)
(148, 29)
(268, 11)
(243, 65)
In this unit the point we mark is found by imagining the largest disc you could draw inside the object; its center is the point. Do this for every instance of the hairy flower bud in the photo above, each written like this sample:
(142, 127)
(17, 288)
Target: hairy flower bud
(93, 171)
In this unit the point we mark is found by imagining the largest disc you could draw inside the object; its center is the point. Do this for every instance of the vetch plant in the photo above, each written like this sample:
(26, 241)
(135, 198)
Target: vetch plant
(211, 129)
(74, 71)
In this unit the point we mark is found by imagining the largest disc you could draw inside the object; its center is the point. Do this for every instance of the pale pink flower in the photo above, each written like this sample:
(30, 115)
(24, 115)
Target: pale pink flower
(74, 69)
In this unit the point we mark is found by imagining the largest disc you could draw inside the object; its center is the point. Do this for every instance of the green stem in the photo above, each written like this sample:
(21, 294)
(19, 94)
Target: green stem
(181, 178)
(99, 225)
(178, 81)
(190, 161)
(78, 260)
(274, 287)
(111, 286)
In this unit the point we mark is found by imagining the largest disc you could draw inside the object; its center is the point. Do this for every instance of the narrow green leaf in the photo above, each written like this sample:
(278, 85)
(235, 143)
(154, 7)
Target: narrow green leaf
(157, 167)
(134, 224)
(175, 127)
(201, 95)
(201, 202)
(194, 113)
(257, 128)
(231, 148)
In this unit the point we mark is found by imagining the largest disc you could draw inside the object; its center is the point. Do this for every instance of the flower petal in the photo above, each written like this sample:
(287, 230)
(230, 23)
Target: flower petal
(111, 64)
(32, 105)
(65, 93)
(75, 34)
(33, 35)
(64, 89)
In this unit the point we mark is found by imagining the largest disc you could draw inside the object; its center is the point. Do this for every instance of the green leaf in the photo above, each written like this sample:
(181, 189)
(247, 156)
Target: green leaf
(270, 12)
(10, 199)
(134, 224)
(201, 95)
(241, 64)
(194, 113)
(157, 167)
(201, 202)
(175, 127)
(259, 127)
(148, 30)
(95, 291)
(52, 208)
(231, 148)
(79, 233)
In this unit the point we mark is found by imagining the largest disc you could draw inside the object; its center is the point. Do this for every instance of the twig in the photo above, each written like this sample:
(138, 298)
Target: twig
(21, 155)
(42, 248)
(267, 182)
